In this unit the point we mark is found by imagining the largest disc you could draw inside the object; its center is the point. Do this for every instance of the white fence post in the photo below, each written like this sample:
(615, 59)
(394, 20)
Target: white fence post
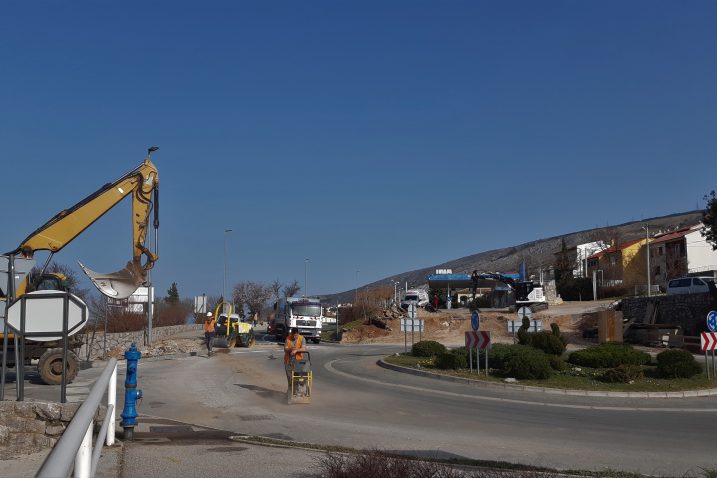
(83, 459)
(112, 402)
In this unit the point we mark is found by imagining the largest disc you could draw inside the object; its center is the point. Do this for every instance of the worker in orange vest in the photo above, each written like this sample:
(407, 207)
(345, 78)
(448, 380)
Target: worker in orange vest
(292, 351)
(209, 331)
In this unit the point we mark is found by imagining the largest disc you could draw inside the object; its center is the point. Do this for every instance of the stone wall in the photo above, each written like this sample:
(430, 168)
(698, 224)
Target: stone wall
(94, 345)
(686, 310)
(29, 427)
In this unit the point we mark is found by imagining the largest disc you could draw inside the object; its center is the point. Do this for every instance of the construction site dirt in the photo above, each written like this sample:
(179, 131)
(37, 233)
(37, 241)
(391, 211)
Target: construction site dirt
(448, 326)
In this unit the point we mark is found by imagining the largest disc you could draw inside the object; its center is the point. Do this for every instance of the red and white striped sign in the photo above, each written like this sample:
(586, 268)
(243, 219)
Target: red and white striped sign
(708, 340)
(477, 339)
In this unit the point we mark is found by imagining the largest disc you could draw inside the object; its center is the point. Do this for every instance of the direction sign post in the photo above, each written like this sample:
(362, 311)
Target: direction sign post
(475, 320)
(479, 341)
(708, 341)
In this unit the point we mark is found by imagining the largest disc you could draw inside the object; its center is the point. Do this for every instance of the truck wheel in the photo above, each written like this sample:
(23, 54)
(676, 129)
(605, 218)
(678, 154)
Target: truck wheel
(231, 341)
(50, 366)
(316, 341)
(251, 340)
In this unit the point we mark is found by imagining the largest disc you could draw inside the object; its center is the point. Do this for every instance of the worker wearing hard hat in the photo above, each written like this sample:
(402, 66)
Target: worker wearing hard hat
(209, 331)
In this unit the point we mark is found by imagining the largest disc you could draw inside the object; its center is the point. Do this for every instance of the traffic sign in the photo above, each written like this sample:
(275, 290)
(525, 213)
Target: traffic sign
(515, 325)
(475, 320)
(525, 312)
(712, 321)
(411, 325)
(708, 341)
(477, 340)
(44, 311)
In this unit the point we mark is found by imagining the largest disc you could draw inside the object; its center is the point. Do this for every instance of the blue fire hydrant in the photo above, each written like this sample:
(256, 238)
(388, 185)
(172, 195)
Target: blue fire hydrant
(131, 394)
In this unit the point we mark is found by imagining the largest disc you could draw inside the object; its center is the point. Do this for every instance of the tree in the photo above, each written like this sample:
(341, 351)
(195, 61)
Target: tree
(71, 280)
(172, 294)
(275, 287)
(709, 219)
(253, 294)
(291, 289)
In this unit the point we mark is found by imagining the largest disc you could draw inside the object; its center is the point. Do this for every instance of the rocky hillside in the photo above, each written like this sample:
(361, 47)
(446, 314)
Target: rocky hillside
(538, 254)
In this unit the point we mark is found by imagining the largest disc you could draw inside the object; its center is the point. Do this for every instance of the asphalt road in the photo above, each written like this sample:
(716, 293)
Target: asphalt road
(358, 404)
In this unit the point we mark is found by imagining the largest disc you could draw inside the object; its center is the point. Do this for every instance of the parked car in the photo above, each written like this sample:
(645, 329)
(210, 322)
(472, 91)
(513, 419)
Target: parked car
(689, 285)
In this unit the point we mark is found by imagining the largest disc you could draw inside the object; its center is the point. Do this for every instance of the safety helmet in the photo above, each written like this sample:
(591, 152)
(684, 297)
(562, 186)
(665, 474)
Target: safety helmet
(209, 314)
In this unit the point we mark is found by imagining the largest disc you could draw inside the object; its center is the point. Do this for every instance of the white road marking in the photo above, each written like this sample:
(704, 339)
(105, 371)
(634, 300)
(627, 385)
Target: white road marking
(329, 366)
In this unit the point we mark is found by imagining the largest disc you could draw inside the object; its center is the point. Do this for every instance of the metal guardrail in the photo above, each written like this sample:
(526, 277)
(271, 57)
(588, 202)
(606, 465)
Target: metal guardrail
(75, 444)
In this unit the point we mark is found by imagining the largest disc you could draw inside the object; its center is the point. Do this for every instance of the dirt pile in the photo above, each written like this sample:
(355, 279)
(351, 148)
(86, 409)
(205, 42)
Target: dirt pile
(448, 326)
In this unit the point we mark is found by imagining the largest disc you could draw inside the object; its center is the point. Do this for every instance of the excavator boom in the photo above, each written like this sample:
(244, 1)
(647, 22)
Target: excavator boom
(142, 183)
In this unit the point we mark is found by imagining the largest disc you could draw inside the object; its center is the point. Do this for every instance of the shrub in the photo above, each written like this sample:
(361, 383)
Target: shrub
(547, 342)
(557, 363)
(498, 354)
(622, 374)
(427, 348)
(609, 355)
(452, 360)
(519, 361)
(677, 364)
(527, 365)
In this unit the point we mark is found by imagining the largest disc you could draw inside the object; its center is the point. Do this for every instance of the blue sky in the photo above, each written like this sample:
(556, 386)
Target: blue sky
(373, 136)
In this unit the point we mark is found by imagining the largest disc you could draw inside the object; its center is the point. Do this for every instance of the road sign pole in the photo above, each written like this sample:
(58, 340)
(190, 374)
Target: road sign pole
(478, 360)
(411, 333)
(707, 367)
(714, 370)
(486, 360)
(405, 338)
(470, 358)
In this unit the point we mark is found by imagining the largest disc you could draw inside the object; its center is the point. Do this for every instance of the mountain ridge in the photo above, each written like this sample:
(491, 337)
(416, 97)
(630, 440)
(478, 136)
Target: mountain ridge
(538, 253)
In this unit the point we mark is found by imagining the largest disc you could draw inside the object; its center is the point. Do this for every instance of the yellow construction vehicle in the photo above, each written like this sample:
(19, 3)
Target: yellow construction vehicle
(142, 183)
(239, 333)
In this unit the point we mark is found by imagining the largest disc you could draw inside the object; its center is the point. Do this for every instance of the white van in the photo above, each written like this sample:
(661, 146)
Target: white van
(416, 296)
(689, 285)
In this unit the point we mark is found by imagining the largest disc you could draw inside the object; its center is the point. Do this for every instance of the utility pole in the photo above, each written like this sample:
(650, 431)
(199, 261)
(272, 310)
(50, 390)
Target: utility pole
(224, 286)
(647, 244)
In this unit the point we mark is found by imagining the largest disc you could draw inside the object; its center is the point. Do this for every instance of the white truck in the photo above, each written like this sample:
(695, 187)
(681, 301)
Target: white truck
(303, 313)
(415, 296)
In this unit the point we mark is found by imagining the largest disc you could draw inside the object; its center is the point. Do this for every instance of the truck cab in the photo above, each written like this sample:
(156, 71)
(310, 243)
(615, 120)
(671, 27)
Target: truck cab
(303, 313)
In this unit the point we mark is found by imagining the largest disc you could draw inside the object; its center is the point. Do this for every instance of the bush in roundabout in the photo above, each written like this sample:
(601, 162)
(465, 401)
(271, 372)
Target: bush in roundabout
(609, 355)
(452, 359)
(519, 361)
(622, 374)
(677, 364)
(427, 348)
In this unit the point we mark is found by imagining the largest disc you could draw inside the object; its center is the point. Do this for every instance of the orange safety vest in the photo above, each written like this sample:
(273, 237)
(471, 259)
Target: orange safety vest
(299, 344)
(209, 326)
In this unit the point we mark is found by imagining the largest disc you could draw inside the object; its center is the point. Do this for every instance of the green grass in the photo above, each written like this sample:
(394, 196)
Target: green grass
(585, 379)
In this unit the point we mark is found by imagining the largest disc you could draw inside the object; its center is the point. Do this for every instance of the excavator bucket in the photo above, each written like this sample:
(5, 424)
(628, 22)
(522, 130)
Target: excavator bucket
(120, 284)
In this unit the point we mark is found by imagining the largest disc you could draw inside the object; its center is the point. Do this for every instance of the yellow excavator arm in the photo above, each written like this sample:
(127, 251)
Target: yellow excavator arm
(143, 184)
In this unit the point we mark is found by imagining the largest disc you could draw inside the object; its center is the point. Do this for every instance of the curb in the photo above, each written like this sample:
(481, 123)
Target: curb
(556, 391)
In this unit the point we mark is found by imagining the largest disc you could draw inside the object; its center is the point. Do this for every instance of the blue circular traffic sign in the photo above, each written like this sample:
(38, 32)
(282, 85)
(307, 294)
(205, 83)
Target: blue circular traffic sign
(475, 320)
(712, 321)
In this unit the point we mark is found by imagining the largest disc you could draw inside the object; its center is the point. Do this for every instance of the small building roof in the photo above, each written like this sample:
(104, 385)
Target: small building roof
(616, 248)
(671, 236)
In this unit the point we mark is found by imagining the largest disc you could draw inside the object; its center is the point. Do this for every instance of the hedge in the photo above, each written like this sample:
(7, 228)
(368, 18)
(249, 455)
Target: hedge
(677, 364)
(609, 355)
(427, 348)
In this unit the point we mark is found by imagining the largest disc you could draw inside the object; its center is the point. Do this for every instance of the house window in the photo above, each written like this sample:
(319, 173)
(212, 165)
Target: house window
(660, 251)
(613, 260)
(657, 270)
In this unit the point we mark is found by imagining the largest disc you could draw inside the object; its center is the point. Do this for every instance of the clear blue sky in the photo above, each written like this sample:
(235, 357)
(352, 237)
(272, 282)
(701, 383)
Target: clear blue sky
(375, 136)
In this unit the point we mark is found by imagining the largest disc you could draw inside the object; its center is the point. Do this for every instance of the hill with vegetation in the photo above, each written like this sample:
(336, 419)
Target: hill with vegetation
(538, 254)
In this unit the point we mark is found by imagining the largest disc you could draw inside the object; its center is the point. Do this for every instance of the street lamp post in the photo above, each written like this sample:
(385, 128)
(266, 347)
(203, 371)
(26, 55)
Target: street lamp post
(395, 292)
(647, 244)
(306, 277)
(224, 286)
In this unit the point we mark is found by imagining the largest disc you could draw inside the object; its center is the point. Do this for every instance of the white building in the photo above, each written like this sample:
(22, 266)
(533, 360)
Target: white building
(700, 255)
(583, 251)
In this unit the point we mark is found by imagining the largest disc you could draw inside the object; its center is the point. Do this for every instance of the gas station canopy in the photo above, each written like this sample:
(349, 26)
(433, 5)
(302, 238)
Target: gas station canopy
(463, 281)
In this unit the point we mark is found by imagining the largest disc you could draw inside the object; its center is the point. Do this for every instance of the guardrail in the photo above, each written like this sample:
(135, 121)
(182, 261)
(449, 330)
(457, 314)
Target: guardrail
(75, 444)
